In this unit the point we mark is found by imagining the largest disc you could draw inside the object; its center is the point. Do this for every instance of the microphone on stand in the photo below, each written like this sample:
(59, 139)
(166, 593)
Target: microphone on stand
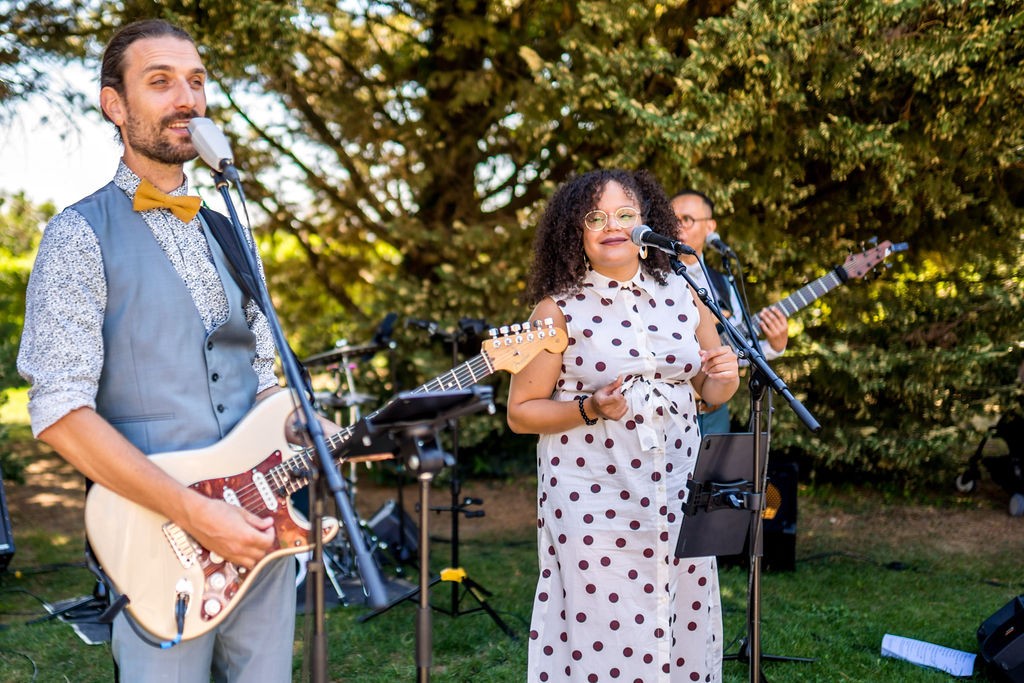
(642, 236)
(213, 147)
(716, 243)
(382, 337)
(428, 325)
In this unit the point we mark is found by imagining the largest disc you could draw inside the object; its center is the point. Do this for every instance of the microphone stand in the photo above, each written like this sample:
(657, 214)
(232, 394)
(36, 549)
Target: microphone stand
(327, 473)
(762, 380)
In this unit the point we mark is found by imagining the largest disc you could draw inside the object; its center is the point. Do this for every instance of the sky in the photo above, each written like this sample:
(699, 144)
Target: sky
(48, 161)
(43, 155)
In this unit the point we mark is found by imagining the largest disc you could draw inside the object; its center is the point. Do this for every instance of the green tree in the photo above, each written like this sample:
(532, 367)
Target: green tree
(20, 229)
(36, 35)
(829, 124)
(21, 225)
(396, 155)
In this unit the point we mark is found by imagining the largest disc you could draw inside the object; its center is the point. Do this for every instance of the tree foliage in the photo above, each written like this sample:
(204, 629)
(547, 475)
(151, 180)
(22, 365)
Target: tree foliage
(20, 228)
(397, 155)
(34, 36)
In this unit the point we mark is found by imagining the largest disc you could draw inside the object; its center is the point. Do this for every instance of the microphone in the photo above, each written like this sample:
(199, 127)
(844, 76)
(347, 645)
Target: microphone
(428, 325)
(715, 242)
(212, 146)
(642, 235)
(382, 337)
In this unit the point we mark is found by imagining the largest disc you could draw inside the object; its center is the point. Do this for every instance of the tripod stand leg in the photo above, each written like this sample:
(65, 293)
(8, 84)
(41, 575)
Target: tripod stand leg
(481, 595)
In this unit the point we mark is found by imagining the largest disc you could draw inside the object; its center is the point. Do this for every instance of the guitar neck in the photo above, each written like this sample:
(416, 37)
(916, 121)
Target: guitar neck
(459, 377)
(807, 294)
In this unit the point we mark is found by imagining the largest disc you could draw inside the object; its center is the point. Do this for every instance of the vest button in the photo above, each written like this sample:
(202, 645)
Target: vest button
(220, 407)
(215, 377)
(209, 346)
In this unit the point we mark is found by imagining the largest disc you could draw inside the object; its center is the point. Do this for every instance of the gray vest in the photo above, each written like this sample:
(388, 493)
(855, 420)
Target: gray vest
(166, 385)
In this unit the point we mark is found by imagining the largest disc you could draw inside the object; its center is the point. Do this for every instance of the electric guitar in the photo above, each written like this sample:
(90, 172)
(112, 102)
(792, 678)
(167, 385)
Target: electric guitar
(855, 266)
(161, 569)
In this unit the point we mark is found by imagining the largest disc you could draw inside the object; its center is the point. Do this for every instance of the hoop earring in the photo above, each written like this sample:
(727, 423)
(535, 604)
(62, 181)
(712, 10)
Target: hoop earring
(643, 252)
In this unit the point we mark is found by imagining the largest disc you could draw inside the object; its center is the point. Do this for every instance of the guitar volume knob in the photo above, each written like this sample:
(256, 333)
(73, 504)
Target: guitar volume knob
(211, 607)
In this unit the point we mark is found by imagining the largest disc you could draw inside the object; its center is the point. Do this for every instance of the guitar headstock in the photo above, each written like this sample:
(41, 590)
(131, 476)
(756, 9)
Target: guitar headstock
(512, 347)
(859, 265)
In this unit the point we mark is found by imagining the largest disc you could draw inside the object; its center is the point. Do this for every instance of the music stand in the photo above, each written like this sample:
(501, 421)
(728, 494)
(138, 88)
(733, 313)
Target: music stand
(723, 484)
(412, 420)
(762, 380)
(722, 510)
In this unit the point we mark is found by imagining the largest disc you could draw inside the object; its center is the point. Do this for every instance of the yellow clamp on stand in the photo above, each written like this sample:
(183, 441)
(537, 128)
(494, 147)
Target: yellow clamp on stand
(456, 574)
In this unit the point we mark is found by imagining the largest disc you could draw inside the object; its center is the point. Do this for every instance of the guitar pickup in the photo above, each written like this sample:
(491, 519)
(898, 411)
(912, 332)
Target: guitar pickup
(181, 543)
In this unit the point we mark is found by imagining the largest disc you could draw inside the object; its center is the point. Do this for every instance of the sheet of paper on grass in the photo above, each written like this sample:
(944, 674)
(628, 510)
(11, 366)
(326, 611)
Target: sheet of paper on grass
(954, 662)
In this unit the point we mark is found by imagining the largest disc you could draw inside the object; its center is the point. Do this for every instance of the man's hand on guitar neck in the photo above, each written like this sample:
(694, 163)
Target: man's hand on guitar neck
(775, 327)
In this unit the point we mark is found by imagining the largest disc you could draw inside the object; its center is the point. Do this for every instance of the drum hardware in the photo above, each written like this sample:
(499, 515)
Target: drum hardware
(464, 335)
(336, 401)
(341, 352)
(340, 361)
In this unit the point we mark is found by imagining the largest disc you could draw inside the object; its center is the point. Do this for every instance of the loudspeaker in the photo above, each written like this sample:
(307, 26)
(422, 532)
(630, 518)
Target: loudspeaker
(1001, 644)
(6, 537)
(779, 526)
(392, 526)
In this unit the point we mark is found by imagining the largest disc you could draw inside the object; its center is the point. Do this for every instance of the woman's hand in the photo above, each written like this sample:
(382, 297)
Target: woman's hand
(608, 402)
(721, 374)
(720, 363)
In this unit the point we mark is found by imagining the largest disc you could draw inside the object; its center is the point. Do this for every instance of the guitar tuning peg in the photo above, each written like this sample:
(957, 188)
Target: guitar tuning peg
(873, 241)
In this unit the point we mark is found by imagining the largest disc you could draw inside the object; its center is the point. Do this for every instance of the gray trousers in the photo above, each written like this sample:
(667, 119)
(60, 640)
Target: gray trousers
(254, 642)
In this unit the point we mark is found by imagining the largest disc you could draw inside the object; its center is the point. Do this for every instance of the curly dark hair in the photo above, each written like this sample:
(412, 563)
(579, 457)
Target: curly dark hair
(559, 262)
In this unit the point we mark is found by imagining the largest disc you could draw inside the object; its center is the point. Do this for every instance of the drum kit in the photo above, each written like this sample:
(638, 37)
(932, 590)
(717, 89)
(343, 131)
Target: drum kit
(342, 404)
(412, 422)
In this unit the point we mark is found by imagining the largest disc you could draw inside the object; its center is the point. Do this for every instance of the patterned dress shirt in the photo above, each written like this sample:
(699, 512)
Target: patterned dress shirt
(61, 351)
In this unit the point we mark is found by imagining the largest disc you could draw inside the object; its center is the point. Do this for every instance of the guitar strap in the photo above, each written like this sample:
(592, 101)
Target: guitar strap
(720, 284)
(238, 264)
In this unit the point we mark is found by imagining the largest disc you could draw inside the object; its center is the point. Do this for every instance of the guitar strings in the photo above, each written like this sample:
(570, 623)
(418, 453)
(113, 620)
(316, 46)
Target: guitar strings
(283, 475)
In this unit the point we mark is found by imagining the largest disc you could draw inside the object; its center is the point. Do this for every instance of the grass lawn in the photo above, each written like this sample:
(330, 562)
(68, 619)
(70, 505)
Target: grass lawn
(867, 564)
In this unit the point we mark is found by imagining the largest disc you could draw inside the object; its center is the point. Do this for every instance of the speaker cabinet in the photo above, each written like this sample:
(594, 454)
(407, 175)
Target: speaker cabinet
(395, 528)
(6, 537)
(1001, 642)
(779, 525)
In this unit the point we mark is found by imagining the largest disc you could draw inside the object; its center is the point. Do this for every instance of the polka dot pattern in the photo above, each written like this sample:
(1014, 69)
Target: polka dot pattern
(613, 603)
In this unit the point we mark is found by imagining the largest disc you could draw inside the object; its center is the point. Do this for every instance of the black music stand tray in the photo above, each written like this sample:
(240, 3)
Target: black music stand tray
(720, 507)
(723, 483)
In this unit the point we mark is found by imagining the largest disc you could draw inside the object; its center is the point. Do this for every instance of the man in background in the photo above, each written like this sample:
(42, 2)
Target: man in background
(695, 212)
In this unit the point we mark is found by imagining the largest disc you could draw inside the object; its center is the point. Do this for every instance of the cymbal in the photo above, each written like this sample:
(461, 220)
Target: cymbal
(339, 353)
(329, 399)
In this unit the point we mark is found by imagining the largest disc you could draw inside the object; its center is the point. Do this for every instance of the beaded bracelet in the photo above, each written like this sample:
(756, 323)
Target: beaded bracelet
(586, 418)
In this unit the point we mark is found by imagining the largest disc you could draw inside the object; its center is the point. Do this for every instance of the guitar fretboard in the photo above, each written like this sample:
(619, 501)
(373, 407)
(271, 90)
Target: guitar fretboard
(290, 476)
(806, 295)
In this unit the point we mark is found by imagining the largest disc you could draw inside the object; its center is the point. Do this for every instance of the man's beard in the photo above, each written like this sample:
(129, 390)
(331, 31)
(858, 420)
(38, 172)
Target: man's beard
(150, 142)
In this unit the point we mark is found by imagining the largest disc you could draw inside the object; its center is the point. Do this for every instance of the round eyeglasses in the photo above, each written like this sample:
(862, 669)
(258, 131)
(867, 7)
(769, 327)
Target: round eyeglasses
(625, 216)
(688, 221)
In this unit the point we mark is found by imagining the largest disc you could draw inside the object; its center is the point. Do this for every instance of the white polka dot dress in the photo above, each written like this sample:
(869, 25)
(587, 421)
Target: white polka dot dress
(613, 603)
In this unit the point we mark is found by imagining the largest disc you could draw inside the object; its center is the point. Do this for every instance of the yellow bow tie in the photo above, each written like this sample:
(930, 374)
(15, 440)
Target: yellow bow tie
(148, 197)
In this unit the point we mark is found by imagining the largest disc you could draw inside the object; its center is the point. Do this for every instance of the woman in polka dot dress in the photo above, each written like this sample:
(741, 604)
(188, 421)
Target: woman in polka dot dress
(616, 417)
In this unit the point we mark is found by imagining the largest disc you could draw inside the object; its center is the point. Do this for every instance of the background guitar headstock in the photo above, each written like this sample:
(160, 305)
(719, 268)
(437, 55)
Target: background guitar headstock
(859, 265)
